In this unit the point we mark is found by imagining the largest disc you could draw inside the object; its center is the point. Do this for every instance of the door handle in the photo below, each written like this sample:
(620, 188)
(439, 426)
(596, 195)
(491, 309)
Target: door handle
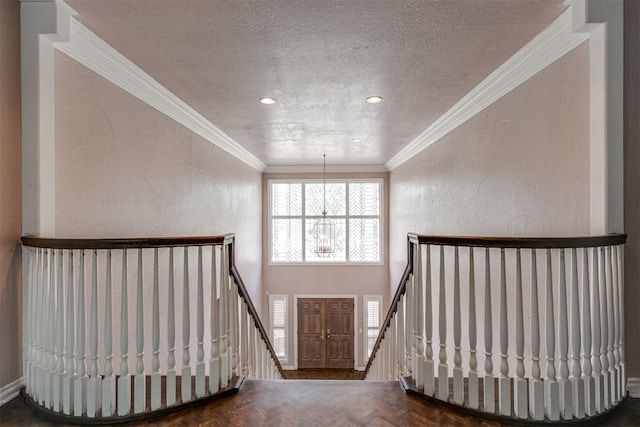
(322, 335)
(328, 333)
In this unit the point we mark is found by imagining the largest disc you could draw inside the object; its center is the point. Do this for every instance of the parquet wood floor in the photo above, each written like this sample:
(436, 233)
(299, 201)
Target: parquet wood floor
(311, 403)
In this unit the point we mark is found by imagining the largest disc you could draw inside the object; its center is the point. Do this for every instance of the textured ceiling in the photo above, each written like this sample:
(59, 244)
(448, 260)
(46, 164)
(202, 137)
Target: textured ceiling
(319, 59)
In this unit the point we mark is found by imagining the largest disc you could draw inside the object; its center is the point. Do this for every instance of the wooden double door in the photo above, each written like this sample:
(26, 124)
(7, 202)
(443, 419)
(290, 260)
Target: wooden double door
(325, 333)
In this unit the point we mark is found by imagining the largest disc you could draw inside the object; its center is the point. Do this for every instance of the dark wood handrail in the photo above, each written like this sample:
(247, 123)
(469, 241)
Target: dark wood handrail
(242, 289)
(520, 242)
(160, 242)
(485, 242)
(134, 243)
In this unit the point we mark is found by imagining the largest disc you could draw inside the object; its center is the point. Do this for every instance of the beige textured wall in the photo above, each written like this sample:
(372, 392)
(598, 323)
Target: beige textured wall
(357, 280)
(124, 169)
(632, 184)
(10, 194)
(518, 168)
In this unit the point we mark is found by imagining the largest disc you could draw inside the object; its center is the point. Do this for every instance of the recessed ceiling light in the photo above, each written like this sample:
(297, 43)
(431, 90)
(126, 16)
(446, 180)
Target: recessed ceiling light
(374, 99)
(356, 140)
(267, 100)
(289, 141)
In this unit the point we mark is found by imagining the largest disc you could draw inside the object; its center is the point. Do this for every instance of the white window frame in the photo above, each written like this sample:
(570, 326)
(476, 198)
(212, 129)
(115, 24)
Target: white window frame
(365, 322)
(346, 216)
(273, 298)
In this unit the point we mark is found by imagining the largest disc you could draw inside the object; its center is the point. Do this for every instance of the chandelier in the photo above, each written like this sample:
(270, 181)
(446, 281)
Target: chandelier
(324, 230)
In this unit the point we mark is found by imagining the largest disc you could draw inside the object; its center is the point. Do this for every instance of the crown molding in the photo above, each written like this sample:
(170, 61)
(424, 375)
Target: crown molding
(548, 46)
(94, 53)
(330, 169)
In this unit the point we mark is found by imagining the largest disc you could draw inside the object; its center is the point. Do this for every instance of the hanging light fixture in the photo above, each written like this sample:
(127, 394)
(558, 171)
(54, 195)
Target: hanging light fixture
(324, 230)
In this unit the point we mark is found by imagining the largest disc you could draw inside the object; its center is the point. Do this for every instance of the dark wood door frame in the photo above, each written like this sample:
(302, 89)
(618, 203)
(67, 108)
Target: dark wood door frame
(356, 326)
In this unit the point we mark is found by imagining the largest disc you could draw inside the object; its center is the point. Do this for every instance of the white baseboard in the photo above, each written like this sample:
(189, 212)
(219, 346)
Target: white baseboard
(11, 390)
(288, 367)
(633, 387)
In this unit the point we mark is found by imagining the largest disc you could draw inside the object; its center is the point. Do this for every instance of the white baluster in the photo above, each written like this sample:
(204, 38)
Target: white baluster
(613, 386)
(186, 331)
(94, 384)
(246, 318)
(419, 318)
(233, 326)
(566, 398)
(200, 386)
(587, 377)
(443, 369)
(59, 333)
(156, 387)
(401, 338)
(171, 334)
(458, 384)
(214, 360)
(616, 310)
(139, 380)
(577, 385)
(224, 365)
(40, 330)
(604, 331)
(80, 383)
(474, 398)
(67, 383)
(429, 379)
(109, 381)
(251, 374)
(124, 381)
(489, 383)
(551, 391)
(408, 334)
(504, 385)
(50, 356)
(620, 319)
(520, 397)
(536, 391)
(596, 331)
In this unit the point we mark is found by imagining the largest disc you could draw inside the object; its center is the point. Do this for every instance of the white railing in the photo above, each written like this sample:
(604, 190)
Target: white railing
(104, 316)
(559, 299)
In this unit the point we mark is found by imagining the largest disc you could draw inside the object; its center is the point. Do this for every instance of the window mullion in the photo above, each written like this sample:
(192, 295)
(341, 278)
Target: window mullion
(304, 222)
(347, 222)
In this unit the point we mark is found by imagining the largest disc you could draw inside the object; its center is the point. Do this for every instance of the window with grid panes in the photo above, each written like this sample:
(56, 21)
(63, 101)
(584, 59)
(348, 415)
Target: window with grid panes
(354, 206)
(278, 308)
(373, 319)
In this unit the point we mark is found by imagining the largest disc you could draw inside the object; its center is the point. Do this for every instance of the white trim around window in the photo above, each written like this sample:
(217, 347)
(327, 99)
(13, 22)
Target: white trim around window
(278, 325)
(372, 307)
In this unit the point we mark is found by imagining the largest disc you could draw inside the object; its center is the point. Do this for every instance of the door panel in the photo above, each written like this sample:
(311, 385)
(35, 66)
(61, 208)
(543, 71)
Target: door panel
(325, 333)
(340, 333)
(311, 346)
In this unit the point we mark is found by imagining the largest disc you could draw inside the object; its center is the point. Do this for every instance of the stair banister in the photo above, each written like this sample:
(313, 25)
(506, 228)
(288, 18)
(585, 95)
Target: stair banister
(579, 330)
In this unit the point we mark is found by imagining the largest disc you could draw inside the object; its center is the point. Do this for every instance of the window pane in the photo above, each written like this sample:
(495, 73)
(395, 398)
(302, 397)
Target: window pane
(286, 199)
(278, 342)
(287, 240)
(336, 198)
(340, 242)
(371, 341)
(364, 198)
(278, 312)
(364, 240)
(373, 314)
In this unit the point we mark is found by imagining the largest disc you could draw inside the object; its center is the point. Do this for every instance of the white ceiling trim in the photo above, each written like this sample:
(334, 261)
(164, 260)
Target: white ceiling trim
(94, 53)
(548, 46)
(330, 169)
